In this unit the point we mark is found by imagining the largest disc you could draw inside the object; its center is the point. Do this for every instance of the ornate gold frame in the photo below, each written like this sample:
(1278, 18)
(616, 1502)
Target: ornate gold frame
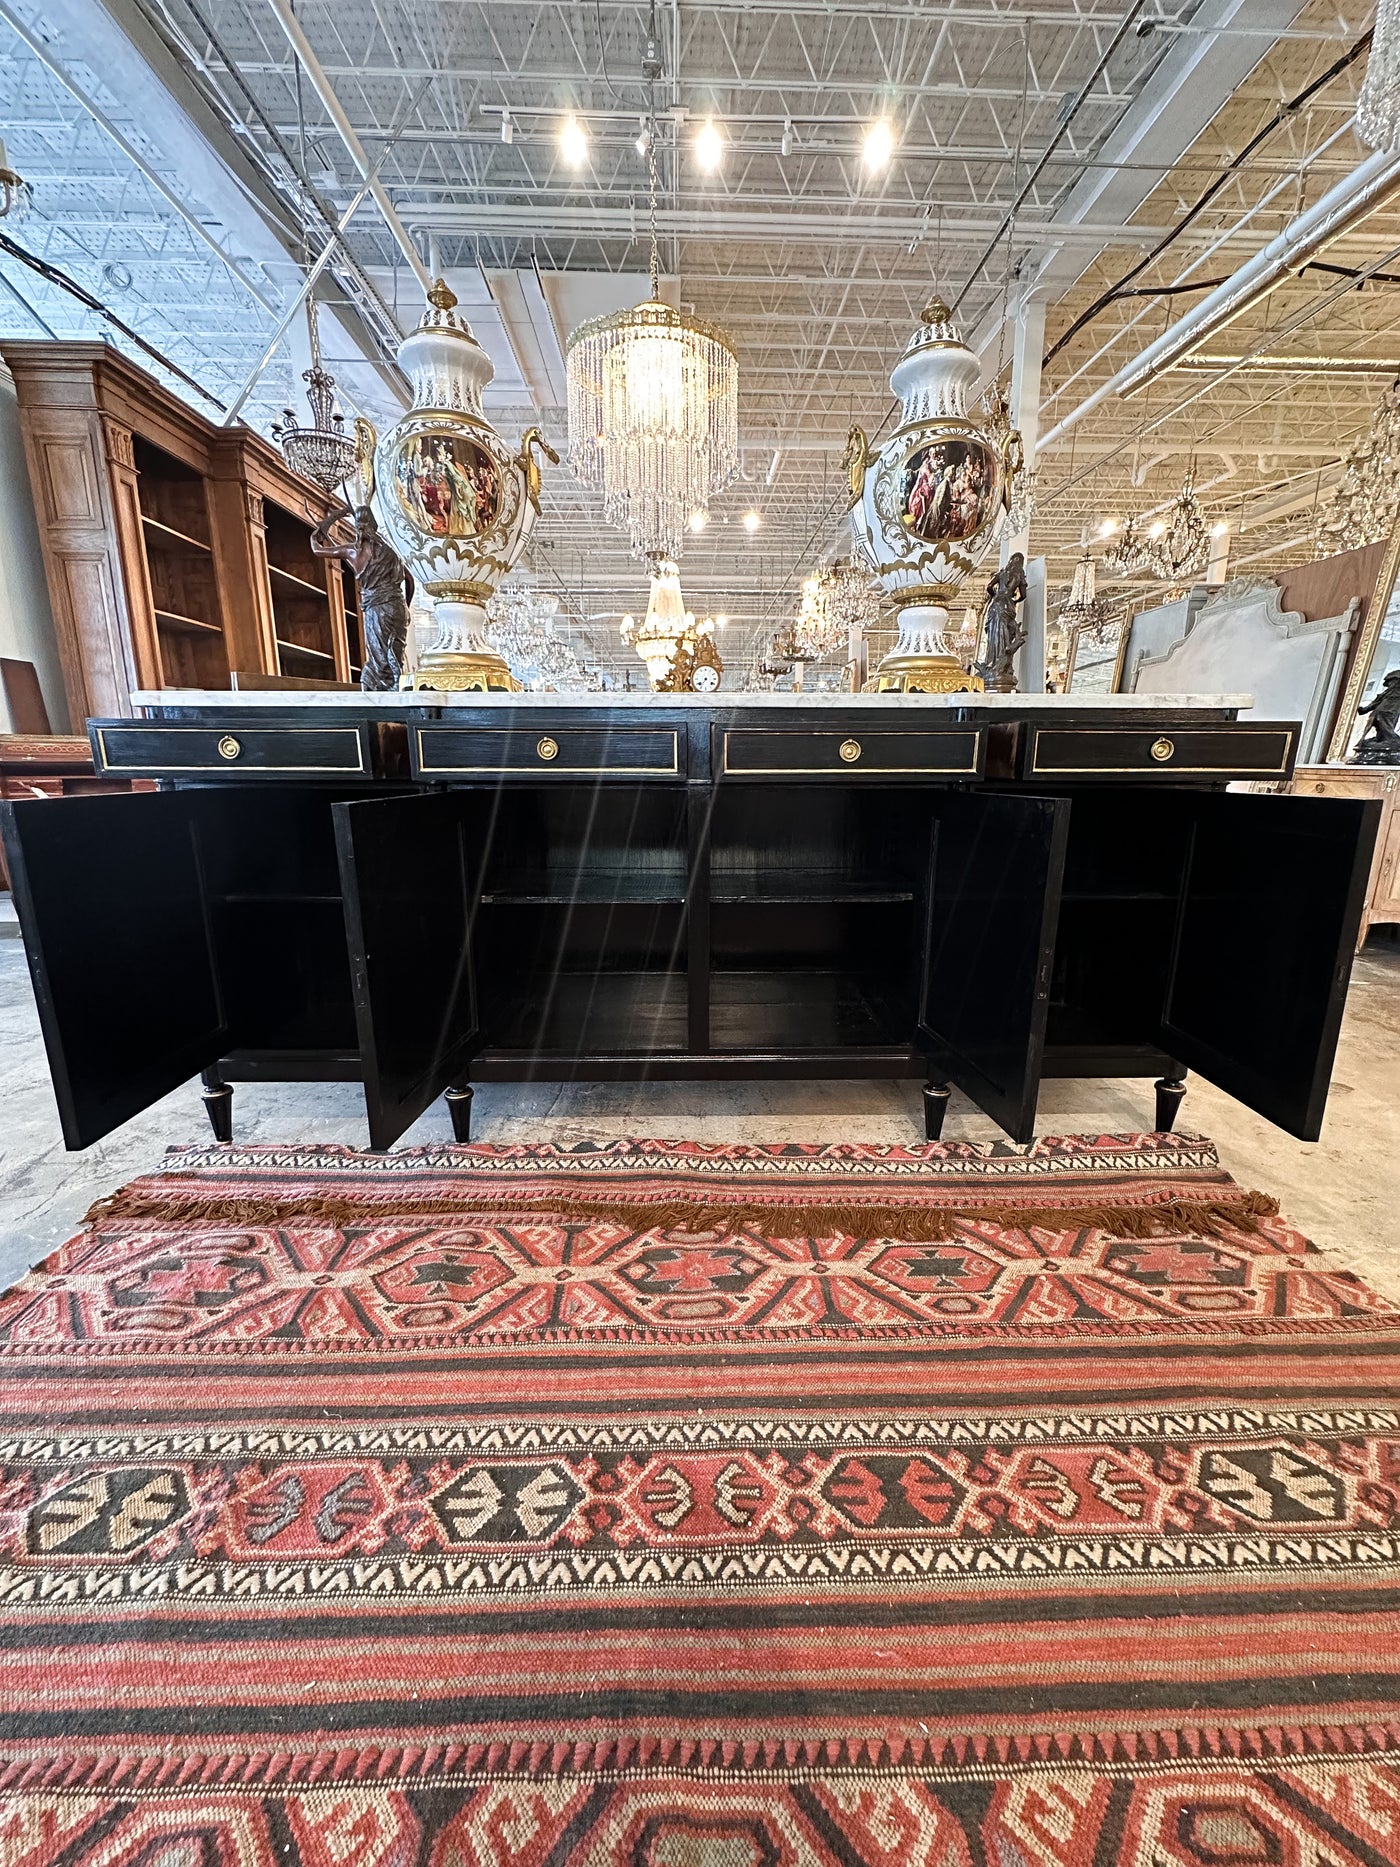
(1365, 652)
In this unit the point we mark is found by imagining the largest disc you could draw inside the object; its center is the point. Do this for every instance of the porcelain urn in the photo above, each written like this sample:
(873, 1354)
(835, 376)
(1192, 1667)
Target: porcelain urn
(456, 504)
(930, 506)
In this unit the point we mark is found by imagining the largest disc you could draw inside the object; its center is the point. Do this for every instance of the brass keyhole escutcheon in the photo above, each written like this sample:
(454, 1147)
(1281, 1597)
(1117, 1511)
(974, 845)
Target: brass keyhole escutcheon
(548, 748)
(1162, 750)
(229, 746)
(850, 751)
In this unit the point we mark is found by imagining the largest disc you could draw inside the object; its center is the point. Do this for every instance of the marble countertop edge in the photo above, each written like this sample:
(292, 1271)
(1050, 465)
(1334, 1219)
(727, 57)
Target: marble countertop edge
(400, 702)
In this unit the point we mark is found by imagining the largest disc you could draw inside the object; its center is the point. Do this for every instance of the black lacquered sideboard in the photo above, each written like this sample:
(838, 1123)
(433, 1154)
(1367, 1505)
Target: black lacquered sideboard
(971, 891)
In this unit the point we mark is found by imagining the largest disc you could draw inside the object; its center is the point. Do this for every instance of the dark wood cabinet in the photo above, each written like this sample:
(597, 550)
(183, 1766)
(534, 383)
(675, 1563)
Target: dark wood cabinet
(421, 897)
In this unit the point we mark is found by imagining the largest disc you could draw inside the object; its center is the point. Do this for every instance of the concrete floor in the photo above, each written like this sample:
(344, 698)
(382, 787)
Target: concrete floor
(1344, 1191)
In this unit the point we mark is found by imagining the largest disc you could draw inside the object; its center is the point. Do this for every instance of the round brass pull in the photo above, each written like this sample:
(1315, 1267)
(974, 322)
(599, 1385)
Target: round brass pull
(548, 748)
(850, 751)
(229, 746)
(1162, 750)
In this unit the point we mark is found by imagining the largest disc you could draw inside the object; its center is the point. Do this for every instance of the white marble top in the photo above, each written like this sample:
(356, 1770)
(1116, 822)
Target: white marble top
(398, 702)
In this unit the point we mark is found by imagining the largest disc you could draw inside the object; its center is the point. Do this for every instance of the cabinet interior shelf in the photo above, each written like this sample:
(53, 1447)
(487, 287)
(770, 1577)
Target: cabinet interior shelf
(758, 887)
(166, 532)
(287, 576)
(297, 648)
(173, 619)
(589, 887)
(592, 1013)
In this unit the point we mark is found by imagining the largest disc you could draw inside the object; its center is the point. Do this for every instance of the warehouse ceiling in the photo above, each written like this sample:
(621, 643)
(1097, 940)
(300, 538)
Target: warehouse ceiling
(185, 172)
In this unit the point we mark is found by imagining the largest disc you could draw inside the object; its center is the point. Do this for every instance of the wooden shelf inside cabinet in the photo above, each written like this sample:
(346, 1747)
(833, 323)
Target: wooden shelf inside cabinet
(792, 1009)
(163, 536)
(169, 618)
(771, 888)
(301, 583)
(299, 648)
(589, 1013)
(585, 887)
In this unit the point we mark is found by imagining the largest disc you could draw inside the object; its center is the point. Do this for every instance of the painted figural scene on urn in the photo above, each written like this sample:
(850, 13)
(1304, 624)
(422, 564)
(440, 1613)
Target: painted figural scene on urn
(455, 502)
(929, 507)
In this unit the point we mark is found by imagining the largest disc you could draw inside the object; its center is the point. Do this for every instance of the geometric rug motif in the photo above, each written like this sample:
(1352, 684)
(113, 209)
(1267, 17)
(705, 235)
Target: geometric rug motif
(698, 1507)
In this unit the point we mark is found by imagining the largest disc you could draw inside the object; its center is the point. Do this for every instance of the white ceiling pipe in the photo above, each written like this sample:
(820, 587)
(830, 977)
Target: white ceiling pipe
(323, 88)
(1364, 190)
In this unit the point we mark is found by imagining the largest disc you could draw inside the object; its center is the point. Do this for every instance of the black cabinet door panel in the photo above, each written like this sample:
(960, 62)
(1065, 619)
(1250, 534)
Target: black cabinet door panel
(993, 900)
(405, 878)
(1271, 901)
(111, 904)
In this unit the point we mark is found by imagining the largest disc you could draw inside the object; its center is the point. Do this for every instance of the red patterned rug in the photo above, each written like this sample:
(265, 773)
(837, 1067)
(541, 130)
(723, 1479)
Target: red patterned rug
(656, 1505)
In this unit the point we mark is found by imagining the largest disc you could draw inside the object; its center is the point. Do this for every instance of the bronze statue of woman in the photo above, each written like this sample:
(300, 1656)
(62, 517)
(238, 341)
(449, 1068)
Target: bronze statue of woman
(385, 590)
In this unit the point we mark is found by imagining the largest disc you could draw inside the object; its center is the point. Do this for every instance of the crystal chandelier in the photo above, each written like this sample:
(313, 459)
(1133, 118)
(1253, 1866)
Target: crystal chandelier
(522, 626)
(1174, 547)
(323, 453)
(1378, 105)
(1085, 612)
(661, 629)
(1366, 504)
(1182, 549)
(15, 192)
(835, 603)
(653, 411)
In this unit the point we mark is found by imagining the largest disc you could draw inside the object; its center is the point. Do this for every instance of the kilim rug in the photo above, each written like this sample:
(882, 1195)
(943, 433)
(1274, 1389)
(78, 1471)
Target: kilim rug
(658, 1505)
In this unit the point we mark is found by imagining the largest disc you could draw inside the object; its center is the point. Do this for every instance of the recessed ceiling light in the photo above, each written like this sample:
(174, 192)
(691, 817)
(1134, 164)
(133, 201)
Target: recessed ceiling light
(709, 147)
(573, 142)
(879, 145)
(752, 521)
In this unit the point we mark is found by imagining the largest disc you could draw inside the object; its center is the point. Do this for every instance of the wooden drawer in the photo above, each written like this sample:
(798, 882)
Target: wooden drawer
(156, 749)
(1167, 753)
(874, 752)
(537, 752)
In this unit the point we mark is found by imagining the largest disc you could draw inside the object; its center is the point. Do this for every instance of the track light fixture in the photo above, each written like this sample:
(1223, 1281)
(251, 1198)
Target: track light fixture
(709, 146)
(507, 125)
(878, 146)
(573, 142)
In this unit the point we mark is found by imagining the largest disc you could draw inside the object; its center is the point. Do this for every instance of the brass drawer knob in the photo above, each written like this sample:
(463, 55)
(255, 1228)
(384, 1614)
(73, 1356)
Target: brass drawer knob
(229, 746)
(1162, 750)
(548, 748)
(850, 751)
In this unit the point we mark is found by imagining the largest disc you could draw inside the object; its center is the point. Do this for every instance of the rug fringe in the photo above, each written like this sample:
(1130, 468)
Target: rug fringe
(907, 1220)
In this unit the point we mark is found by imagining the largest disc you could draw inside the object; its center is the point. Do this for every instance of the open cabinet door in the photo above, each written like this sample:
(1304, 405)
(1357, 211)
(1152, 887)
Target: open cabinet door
(405, 879)
(1271, 901)
(111, 904)
(993, 901)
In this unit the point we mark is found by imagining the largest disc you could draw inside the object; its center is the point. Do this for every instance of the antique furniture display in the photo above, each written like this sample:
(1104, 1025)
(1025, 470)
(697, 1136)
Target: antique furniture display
(1381, 905)
(175, 550)
(1241, 636)
(972, 892)
(927, 509)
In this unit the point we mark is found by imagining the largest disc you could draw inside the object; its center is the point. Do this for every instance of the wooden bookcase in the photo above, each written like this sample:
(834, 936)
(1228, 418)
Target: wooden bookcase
(176, 551)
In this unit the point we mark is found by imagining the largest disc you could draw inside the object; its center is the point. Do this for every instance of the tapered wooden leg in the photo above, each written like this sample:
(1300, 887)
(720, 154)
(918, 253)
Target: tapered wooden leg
(459, 1107)
(1170, 1090)
(218, 1104)
(936, 1097)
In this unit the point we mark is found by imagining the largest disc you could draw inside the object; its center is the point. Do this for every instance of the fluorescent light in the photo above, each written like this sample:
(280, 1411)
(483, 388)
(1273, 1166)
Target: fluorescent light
(787, 137)
(752, 521)
(878, 146)
(709, 147)
(573, 142)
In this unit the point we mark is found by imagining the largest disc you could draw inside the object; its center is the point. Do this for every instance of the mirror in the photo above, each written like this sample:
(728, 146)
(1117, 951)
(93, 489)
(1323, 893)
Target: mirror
(1093, 666)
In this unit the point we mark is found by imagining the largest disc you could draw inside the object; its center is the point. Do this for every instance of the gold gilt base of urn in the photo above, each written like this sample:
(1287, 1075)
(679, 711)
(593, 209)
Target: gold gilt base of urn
(454, 671)
(924, 674)
(920, 661)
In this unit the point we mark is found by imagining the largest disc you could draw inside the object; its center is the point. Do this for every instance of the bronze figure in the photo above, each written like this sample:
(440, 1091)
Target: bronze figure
(385, 590)
(1380, 743)
(1004, 631)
